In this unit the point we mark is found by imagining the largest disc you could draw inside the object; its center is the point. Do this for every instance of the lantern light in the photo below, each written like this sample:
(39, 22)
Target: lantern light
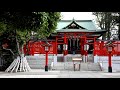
(65, 46)
(109, 49)
(86, 47)
(46, 48)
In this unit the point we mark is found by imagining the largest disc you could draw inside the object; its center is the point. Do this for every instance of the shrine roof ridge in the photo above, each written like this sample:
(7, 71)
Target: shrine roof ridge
(75, 20)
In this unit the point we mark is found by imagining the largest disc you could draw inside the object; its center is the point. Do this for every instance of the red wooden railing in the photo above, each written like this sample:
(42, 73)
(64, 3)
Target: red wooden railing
(37, 48)
(101, 50)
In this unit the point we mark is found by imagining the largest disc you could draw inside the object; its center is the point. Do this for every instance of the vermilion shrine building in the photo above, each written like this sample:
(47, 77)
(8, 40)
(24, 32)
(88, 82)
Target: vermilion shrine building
(72, 37)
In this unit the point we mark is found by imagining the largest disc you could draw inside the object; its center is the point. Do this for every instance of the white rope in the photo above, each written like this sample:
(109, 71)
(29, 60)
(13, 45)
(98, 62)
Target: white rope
(15, 65)
(19, 65)
(27, 65)
(11, 66)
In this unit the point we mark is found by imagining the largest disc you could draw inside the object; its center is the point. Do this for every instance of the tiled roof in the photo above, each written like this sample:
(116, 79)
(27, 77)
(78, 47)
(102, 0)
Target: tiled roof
(88, 24)
(80, 30)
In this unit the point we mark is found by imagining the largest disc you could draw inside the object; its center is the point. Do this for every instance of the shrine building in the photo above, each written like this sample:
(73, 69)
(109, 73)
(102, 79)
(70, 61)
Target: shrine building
(70, 37)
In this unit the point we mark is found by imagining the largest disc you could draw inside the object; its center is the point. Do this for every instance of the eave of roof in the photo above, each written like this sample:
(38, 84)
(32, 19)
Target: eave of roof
(75, 20)
(76, 25)
(80, 30)
(87, 24)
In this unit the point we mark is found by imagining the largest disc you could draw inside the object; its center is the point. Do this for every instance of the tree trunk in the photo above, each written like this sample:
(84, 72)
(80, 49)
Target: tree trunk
(105, 24)
(119, 26)
(27, 49)
(20, 64)
(104, 36)
(18, 46)
(108, 24)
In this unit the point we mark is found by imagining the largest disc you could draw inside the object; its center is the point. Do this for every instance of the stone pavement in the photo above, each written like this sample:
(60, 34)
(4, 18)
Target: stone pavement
(88, 74)
(37, 73)
(34, 73)
(68, 66)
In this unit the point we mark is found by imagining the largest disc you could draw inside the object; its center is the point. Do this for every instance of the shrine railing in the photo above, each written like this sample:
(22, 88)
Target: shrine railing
(101, 50)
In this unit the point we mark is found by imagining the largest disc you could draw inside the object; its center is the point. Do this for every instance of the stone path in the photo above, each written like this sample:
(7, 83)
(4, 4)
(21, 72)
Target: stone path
(37, 73)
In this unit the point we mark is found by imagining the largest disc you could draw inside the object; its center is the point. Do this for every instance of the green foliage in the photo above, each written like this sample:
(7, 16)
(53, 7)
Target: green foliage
(104, 18)
(44, 23)
(48, 24)
(2, 27)
(16, 27)
(9, 36)
(23, 23)
(106, 21)
(23, 36)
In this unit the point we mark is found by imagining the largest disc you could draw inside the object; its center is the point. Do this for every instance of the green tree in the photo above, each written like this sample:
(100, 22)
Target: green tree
(21, 24)
(117, 15)
(119, 25)
(106, 21)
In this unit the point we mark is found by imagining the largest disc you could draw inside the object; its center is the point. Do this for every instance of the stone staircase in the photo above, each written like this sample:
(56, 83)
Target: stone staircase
(68, 64)
(38, 62)
(84, 66)
(89, 66)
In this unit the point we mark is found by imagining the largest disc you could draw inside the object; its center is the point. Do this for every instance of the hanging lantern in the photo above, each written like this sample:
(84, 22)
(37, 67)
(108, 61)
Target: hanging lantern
(65, 46)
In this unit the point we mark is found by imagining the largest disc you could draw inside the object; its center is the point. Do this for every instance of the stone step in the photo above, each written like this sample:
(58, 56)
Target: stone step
(38, 66)
(84, 66)
(94, 67)
(36, 62)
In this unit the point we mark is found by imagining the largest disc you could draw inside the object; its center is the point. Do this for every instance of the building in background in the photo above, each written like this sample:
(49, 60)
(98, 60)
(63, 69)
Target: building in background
(70, 37)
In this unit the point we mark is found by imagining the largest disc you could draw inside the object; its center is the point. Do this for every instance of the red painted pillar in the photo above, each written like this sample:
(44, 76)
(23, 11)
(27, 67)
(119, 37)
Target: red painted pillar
(67, 47)
(46, 63)
(56, 45)
(65, 43)
(65, 38)
(94, 47)
(86, 55)
(33, 49)
(109, 62)
(82, 46)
